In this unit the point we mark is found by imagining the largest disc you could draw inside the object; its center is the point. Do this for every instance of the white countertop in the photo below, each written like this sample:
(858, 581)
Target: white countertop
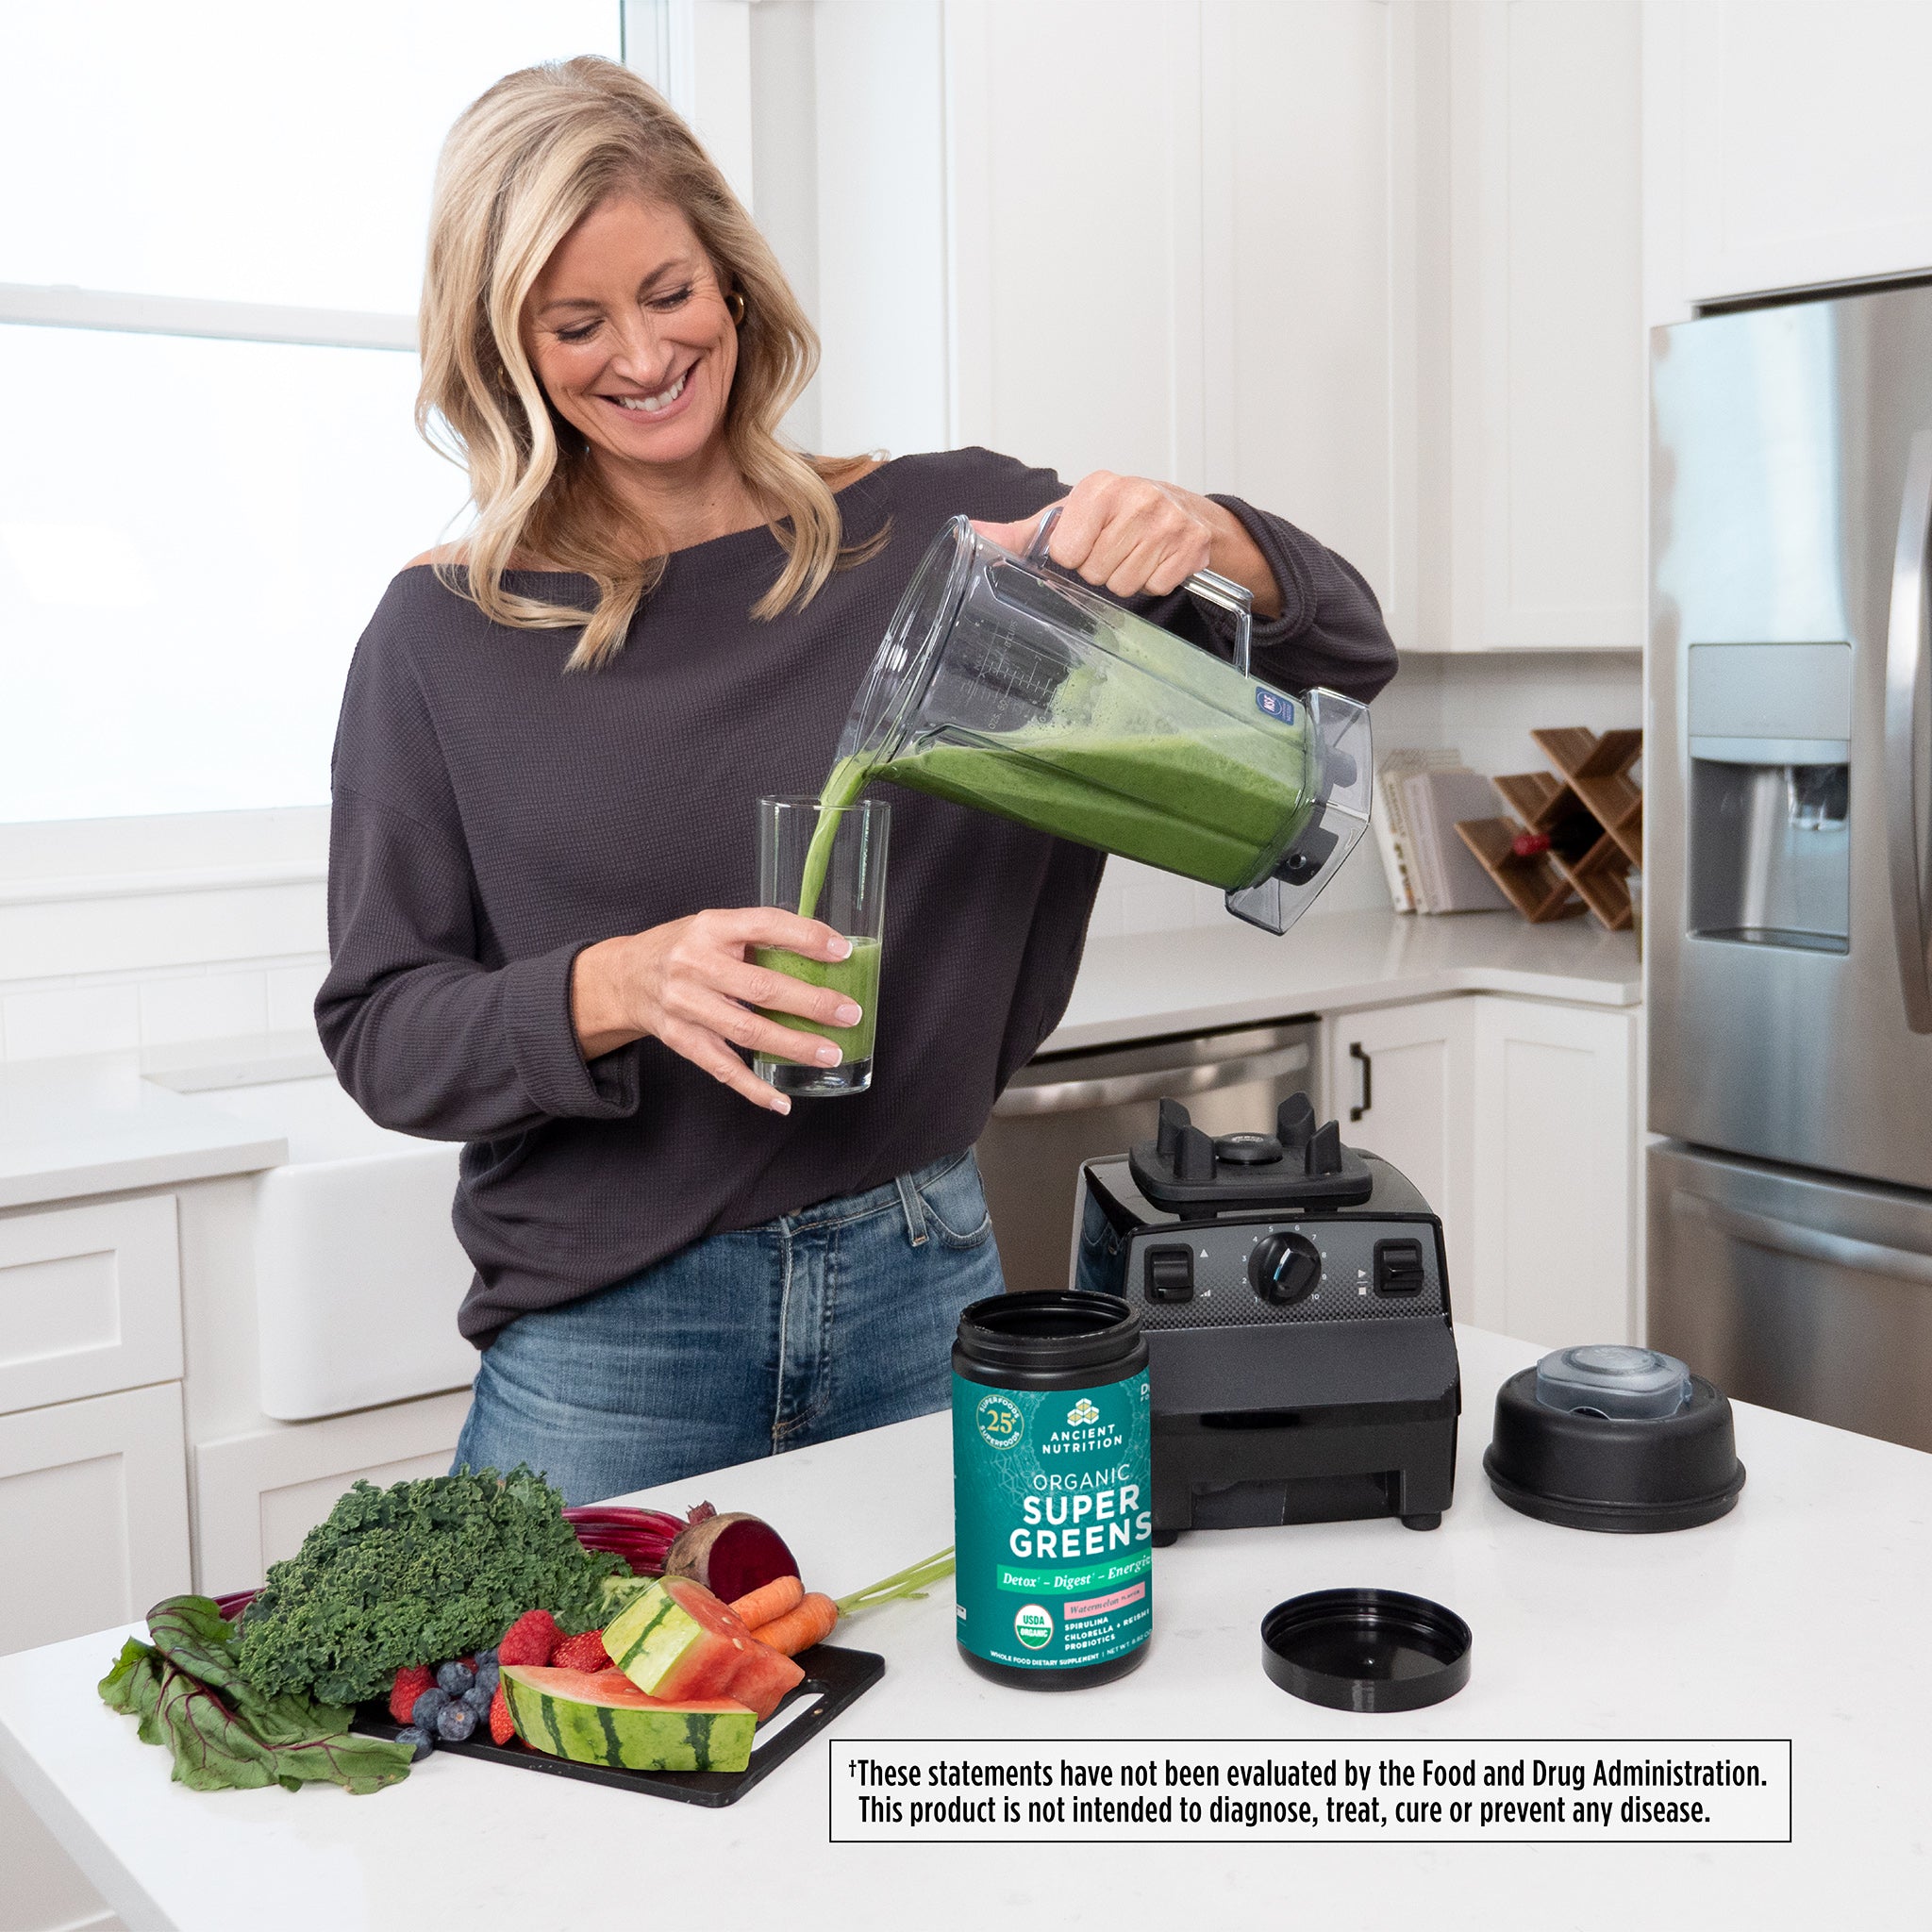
(1798, 1616)
(1230, 974)
(89, 1126)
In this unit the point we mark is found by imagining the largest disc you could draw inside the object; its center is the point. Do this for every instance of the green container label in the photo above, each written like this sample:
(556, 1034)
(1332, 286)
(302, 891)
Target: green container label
(1053, 1507)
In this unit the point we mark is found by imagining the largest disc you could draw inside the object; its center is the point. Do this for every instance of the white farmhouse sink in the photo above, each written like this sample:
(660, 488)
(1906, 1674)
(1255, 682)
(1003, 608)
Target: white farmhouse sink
(357, 1273)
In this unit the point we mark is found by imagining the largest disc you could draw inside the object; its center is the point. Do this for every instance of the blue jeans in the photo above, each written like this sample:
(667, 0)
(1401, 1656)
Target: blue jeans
(814, 1325)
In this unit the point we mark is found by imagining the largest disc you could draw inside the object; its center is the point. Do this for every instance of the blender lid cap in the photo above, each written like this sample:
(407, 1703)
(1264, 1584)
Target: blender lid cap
(1367, 1650)
(1612, 1379)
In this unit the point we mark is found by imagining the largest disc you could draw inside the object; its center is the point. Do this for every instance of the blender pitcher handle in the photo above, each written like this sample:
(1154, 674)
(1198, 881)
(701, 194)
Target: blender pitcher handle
(1210, 586)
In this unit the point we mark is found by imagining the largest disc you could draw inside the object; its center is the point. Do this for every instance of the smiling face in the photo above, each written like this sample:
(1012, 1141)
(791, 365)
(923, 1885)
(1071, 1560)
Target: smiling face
(628, 332)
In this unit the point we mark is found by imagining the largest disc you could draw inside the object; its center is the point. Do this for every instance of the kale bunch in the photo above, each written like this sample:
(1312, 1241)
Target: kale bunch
(415, 1575)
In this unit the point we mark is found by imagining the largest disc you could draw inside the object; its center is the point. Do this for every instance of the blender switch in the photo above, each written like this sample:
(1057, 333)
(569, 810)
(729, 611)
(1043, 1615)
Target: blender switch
(1399, 1267)
(1170, 1275)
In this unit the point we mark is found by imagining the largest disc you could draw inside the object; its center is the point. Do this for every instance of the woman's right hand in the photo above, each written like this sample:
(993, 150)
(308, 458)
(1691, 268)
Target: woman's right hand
(691, 984)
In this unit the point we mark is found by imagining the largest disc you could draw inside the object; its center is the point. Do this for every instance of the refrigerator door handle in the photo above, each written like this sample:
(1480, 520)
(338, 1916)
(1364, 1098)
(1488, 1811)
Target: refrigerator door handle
(1807, 1243)
(1905, 668)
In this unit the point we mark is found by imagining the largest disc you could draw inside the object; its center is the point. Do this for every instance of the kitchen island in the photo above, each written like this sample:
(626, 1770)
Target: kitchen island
(1747, 1629)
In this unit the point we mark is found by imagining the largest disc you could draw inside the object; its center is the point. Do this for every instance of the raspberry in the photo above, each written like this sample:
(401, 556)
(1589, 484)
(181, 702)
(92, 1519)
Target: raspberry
(412, 1681)
(502, 1725)
(531, 1640)
(585, 1653)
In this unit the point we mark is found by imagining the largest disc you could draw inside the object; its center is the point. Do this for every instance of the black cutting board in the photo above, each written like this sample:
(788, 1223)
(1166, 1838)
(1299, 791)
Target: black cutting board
(834, 1679)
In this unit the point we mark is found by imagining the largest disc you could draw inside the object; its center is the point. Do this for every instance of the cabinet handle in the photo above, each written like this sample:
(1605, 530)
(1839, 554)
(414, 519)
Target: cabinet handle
(1368, 1066)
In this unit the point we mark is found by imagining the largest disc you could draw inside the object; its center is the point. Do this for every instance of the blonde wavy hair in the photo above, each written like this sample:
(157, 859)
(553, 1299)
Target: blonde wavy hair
(523, 165)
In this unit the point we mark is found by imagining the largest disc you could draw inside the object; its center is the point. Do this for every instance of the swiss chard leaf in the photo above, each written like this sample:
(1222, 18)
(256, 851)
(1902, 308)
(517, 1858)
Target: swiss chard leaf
(188, 1695)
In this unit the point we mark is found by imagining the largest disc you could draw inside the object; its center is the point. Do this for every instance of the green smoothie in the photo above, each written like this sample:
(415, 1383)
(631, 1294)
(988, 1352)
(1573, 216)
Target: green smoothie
(857, 977)
(1188, 803)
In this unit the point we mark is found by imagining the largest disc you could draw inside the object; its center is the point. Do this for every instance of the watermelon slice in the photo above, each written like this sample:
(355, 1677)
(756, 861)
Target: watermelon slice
(762, 1678)
(601, 1717)
(675, 1640)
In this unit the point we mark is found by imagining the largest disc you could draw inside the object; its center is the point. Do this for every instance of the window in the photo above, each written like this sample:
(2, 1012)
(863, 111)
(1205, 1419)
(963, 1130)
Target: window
(209, 254)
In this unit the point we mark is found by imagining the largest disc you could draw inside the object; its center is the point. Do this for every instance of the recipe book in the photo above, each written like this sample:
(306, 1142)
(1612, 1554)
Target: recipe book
(1447, 874)
(1390, 822)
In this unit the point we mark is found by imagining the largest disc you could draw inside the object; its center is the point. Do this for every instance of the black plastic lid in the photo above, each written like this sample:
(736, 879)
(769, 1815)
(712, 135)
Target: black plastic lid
(1048, 1329)
(1626, 1473)
(1369, 1650)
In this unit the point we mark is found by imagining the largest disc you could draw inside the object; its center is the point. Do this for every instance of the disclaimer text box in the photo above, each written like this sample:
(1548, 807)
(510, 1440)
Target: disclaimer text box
(1503, 1790)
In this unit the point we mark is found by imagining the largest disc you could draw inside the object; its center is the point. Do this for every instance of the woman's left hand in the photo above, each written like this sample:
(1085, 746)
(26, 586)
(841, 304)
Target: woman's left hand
(1131, 535)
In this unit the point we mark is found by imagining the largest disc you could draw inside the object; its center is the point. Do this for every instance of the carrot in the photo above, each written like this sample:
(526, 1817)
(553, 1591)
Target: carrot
(811, 1622)
(772, 1600)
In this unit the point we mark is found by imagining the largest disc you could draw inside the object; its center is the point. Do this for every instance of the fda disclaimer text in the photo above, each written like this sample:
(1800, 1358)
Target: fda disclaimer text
(1444, 1790)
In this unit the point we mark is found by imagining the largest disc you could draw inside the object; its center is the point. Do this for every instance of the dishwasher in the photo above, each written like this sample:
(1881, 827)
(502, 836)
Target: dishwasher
(1063, 1109)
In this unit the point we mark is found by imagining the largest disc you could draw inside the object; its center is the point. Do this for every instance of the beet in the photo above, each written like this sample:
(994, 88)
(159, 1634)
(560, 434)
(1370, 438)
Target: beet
(730, 1555)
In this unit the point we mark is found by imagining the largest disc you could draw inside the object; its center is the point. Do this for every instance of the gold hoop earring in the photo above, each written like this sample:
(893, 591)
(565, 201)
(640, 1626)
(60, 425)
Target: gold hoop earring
(735, 302)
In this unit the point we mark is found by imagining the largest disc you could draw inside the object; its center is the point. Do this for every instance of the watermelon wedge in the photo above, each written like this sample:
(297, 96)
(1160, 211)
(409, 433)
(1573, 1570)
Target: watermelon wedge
(601, 1717)
(762, 1678)
(675, 1640)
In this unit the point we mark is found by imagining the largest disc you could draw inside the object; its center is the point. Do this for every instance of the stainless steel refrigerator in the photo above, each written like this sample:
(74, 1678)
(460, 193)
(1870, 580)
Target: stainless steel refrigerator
(1789, 821)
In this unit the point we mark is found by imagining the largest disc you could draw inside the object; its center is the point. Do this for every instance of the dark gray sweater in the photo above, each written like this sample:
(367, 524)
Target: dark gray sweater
(493, 816)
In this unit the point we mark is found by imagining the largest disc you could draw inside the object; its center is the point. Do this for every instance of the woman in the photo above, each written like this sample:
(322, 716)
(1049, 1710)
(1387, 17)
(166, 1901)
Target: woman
(541, 865)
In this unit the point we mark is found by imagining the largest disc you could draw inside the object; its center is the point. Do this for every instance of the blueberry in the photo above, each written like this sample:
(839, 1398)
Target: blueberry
(454, 1722)
(486, 1656)
(487, 1674)
(476, 1700)
(455, 1679)
(428, 1708)
(419, 1741)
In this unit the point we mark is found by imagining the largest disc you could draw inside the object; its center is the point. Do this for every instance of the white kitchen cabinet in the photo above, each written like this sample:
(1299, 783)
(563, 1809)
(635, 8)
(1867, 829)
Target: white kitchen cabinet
(89, 1301)
(1517, 1119)
(257, 1494)
(1788, 143)
(1399, 1083)
(1534, 505)
(93, 1513)
(1152, 235)
(44, 1889)
(1553, 1126)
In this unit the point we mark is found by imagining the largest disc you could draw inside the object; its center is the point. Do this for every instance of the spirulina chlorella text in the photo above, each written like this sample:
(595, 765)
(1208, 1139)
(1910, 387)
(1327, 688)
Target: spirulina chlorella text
(1501, 1790)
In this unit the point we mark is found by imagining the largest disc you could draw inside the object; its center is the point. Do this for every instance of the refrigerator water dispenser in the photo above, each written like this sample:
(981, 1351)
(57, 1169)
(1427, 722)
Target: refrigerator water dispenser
(1769, 741)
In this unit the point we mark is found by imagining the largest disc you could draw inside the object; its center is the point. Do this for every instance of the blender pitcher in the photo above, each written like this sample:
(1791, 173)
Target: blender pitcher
(1008, 684)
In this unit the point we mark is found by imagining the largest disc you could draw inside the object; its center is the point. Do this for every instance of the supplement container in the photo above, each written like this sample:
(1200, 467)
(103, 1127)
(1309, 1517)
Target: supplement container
(1052, 1496)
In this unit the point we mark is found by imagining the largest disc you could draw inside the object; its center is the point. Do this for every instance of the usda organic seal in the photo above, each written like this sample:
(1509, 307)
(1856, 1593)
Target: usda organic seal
(1033, 1625)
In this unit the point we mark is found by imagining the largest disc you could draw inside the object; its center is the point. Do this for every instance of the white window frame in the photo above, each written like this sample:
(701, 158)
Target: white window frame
(698, 54)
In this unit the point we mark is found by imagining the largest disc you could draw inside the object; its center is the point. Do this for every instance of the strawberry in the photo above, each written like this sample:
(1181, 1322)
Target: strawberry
(585, 1653)
(531, 1640)
(502, 1725)
(412, 1681)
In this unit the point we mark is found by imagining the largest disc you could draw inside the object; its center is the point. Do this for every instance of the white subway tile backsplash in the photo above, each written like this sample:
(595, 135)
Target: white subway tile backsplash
(1154, 900)
(69, 1019)
(291, 994)
(207, 1005)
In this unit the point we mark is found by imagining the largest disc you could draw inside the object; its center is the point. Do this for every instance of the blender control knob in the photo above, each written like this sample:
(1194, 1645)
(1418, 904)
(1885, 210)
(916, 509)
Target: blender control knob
(1285, 1268)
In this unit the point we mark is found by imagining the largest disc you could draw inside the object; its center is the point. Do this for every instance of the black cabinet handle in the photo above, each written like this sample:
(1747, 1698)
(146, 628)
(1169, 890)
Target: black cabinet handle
(1367, 1065)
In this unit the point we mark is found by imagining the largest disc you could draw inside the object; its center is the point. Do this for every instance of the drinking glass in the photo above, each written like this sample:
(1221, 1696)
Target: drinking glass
(826, 863)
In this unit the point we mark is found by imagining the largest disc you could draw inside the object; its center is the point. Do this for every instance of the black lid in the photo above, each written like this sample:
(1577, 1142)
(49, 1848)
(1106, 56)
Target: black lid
(1049, 1328)
(1368, 1650)
(1627, 1474)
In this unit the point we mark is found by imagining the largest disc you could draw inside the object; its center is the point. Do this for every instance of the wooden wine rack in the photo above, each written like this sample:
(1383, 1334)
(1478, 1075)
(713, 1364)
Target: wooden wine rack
(1592, 816)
